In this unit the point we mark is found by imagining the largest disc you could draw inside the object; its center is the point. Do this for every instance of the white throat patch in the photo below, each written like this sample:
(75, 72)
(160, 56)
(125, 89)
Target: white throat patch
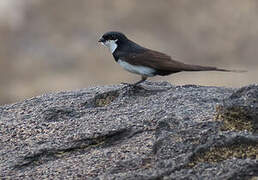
(111, 44)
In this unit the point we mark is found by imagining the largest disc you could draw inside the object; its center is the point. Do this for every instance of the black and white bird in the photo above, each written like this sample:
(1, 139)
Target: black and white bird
(146, 62)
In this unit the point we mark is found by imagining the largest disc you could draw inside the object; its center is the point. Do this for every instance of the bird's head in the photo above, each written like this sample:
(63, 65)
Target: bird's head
(112, 40)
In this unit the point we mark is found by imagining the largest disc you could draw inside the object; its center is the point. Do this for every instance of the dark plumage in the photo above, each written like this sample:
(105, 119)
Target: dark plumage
(132, 57)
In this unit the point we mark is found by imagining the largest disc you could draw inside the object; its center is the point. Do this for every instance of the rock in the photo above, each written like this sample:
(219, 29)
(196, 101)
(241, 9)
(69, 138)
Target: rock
(240, 110)
(154, 131)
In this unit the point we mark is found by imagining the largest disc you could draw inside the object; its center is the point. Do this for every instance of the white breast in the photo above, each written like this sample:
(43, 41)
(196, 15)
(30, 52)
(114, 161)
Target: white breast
(142, 70)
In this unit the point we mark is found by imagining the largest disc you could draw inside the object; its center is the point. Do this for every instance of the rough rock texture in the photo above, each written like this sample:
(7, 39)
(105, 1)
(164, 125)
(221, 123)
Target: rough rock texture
(155, 131)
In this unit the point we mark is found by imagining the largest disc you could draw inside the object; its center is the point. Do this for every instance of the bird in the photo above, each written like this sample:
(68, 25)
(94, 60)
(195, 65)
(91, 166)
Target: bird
(146, 62)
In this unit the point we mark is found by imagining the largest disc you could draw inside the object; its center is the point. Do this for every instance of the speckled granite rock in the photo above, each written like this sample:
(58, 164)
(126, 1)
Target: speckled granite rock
(156, 131)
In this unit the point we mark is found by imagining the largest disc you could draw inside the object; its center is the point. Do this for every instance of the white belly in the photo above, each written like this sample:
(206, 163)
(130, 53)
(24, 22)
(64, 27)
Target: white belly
(141, 70)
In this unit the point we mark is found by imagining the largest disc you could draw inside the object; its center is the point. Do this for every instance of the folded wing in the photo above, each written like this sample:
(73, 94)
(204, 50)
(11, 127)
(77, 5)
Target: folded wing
(163, 63)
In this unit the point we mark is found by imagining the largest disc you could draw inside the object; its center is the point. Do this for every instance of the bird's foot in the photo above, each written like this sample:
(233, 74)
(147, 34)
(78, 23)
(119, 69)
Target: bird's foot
(126, 84)
(133, 86)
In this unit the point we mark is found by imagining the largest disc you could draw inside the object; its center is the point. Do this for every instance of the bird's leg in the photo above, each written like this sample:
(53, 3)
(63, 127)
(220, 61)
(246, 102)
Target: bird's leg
(143, 79)
(138, 82)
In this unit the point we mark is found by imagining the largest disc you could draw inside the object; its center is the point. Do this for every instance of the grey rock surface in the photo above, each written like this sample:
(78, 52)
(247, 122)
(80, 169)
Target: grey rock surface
(154, 131)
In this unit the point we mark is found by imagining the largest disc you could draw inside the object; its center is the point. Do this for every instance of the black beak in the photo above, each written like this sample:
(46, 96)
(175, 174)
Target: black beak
(101, 39)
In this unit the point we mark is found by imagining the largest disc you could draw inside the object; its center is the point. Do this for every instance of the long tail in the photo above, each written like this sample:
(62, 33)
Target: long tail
(209, 68)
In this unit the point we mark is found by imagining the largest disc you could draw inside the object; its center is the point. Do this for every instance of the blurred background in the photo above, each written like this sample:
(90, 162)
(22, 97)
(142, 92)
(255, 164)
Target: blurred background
(51, 45)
